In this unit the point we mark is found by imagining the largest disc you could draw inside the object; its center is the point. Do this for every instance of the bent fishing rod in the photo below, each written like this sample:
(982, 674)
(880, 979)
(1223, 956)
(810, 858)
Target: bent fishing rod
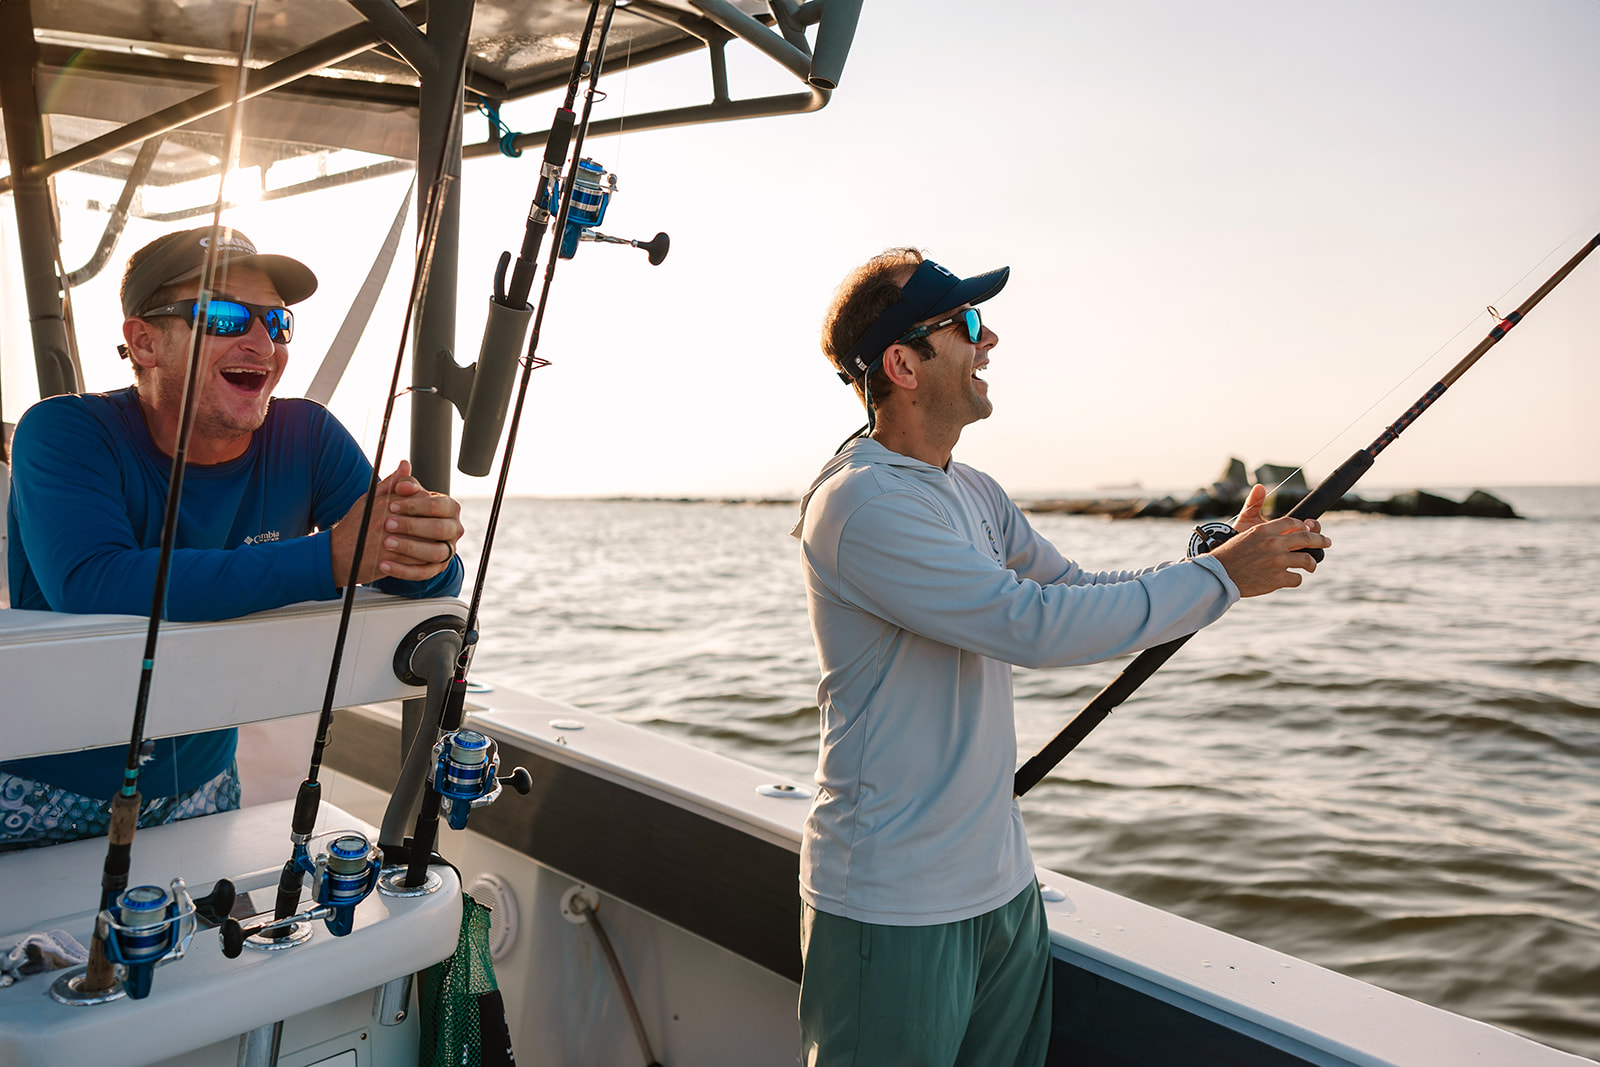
(153, 907)
(1327, 493)
(469, 746)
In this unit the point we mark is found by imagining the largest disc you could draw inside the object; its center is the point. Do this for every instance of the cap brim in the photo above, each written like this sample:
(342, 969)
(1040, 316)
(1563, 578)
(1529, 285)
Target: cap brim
(973, 290)
(292, 278)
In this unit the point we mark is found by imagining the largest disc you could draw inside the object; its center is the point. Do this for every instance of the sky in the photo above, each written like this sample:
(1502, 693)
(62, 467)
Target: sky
(1253, 229)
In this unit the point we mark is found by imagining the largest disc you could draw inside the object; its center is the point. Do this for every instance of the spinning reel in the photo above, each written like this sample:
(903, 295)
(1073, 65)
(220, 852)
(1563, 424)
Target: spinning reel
(463, 774)
(591, 195)
(147, 926)
(341, 877)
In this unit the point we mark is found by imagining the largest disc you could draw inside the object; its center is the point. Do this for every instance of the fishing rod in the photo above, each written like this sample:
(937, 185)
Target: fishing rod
(348, 873)
(463, 763)
(1327, 493)
(137, 928)
(503, 337)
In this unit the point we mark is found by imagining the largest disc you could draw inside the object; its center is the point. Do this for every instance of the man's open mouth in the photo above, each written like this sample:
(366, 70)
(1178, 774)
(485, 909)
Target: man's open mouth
(249, 379)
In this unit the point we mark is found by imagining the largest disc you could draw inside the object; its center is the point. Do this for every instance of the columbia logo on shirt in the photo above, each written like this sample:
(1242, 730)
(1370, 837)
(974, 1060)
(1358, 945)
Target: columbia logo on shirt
(262, 538)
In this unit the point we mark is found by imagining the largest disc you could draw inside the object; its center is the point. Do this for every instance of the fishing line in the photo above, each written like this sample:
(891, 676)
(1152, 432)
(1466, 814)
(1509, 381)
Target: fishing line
(1490, 311)
(308, 797)
(531, 361)
(622, 118)
(426, 827)
(100, 974)
(1327, 493)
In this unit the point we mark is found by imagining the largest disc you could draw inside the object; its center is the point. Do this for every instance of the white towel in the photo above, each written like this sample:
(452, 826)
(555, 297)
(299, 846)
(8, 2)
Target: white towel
(47, 951)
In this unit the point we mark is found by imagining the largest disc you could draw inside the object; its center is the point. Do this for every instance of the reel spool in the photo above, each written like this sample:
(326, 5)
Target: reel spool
(341, 878)
(147, 926)
(592, 189)
(1209, 535)
(463, 774)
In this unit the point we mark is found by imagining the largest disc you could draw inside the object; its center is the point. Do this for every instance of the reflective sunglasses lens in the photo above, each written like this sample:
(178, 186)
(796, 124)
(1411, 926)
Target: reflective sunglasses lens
(974, 324)
(279, 323)
(224, 318)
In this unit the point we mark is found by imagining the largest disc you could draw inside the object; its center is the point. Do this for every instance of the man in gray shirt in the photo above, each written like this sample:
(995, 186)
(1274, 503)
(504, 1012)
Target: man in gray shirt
(923, 934)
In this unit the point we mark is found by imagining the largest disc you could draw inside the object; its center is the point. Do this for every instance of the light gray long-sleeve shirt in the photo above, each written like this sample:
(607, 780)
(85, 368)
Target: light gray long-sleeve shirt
(925, 586)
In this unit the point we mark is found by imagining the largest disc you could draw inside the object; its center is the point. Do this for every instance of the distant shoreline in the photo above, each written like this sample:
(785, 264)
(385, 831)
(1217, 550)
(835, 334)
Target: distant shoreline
(1074, 494)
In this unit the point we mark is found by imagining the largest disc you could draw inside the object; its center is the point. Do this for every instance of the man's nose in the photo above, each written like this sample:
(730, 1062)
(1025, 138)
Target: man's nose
(256, 338)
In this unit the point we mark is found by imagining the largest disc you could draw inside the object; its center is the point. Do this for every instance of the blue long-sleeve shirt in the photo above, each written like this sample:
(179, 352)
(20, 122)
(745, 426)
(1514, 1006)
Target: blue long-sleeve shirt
(88, 494)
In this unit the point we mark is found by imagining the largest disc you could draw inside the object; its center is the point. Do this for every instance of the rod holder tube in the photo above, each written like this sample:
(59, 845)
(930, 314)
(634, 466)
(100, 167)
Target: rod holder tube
(434, 660)
(394, 1001)
(259, 1047)
(504, 335)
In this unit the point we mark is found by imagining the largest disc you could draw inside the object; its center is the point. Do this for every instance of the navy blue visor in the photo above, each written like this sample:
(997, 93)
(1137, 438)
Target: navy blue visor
(929, 291)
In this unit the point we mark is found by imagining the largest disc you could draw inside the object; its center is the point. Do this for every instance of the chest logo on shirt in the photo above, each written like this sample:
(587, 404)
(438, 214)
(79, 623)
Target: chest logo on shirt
(994, 546)
(262, 538)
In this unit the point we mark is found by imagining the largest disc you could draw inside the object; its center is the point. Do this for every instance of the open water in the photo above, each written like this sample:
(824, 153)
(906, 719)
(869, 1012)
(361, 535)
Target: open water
(1393, 771)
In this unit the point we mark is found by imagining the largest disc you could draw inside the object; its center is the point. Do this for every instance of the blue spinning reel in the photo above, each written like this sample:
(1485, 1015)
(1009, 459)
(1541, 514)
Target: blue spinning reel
(342, 877)
(591, 195)
(463, 774)
(147, 926)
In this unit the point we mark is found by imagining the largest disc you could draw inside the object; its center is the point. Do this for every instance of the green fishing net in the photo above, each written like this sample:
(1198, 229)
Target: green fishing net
(463, 1017)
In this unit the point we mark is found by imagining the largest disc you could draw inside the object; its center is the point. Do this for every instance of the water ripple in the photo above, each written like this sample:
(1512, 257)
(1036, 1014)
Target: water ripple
(1389, 771)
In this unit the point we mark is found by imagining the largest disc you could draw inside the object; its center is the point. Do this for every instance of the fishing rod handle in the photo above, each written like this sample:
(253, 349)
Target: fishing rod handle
(113, 880)
(1119, 689)
(423, 837)
(1331, 490)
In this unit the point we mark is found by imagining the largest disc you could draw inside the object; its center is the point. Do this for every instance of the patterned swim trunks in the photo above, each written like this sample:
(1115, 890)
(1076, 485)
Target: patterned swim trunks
(36, 813)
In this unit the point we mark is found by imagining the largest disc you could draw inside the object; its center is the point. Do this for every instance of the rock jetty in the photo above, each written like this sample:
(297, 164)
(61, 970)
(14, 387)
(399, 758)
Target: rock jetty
(1223, 498)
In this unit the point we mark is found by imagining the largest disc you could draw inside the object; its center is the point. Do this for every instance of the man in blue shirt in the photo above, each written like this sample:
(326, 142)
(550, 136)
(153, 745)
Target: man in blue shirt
(270, 512)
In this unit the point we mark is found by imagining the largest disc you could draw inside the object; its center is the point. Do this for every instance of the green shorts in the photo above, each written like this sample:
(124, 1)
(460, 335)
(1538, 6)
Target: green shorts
(974, 993)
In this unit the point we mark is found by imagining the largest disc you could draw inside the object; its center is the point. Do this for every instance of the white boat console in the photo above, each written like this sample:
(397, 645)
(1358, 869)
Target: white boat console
(69, 684)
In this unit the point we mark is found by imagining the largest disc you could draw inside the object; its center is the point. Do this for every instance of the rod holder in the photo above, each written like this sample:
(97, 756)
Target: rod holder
(504, 335)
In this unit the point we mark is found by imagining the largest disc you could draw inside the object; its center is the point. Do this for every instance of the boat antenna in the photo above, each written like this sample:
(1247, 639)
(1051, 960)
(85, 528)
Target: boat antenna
(308, 798)
(104, 953)
(515, 297)
(1327, 493)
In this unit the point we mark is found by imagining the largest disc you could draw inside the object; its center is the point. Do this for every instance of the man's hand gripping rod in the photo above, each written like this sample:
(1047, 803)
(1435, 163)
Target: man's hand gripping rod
(1327, 493)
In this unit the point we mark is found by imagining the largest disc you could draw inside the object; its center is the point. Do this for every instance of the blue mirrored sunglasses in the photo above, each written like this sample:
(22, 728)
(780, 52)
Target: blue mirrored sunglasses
(231, 318)
(970, 316)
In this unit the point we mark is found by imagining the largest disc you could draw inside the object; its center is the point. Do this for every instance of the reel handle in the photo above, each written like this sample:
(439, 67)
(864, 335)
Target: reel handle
(213, 908)
(656, 247)
(234, 933)
(520, 780)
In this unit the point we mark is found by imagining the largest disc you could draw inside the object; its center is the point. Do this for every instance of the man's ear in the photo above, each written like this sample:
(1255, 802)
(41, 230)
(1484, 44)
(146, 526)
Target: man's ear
(900, 363)
(140, 337)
